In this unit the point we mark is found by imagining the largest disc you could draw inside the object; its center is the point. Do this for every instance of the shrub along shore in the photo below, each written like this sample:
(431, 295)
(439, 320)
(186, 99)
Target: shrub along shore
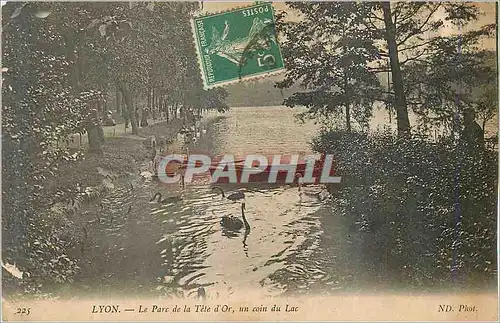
(426, 212)
(74, 185)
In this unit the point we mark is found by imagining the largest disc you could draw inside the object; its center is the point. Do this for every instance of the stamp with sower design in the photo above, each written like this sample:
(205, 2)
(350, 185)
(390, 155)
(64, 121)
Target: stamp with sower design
(237, 44)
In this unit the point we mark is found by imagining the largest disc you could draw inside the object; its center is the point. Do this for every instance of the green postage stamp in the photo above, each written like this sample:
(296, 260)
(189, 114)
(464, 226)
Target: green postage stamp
(238, 44)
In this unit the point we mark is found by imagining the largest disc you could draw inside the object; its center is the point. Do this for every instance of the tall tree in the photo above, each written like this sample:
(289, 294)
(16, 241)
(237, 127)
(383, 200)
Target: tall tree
(455, 81)
(40, 109)
(60, 60)
(403, 32)
(328, 54)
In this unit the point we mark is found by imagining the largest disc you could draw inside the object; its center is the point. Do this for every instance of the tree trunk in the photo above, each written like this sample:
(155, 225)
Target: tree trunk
(130, 107)
(144, 117)
(125, 113)
(175, 109)
(157, 105)
(106, 105)
(94, 133)
(99, 123)
(94, 139)
(118, 98)
(93, 127)
(348, 117)
(400, 105)
(152, 103)
(134, 119)
(146, 110)
(347, 105)
(125, 116)
(168, 110)
(160, 106)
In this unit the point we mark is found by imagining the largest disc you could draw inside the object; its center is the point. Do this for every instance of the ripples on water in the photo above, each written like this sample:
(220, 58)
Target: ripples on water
(266, 130)
(289, 248)
(281, 251)
(197, 251)
(297, 244)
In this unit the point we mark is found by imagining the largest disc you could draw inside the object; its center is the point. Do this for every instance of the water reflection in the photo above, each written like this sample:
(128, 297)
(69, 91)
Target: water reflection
(295, 244)
(198, 251)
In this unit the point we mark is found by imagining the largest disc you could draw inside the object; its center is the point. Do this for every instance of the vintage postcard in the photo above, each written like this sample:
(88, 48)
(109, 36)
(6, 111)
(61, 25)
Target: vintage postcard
(249, 161)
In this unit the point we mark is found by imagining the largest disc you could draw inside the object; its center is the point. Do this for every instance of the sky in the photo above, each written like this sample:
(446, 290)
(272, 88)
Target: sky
(487, 17)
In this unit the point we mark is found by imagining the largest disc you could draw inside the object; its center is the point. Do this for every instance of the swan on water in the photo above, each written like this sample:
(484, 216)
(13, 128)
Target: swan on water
(169, 199)
(319, 195)
(234, 196)
(233, 223)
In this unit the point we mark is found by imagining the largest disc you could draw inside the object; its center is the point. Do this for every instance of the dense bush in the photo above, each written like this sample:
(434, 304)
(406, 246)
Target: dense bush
(425, 211)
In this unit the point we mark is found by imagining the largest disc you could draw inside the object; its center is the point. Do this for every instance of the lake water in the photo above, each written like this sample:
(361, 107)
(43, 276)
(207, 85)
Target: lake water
(296, 244)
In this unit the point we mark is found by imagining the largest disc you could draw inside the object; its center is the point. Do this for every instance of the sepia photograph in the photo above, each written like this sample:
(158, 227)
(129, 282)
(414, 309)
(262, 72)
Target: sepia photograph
(249, 161)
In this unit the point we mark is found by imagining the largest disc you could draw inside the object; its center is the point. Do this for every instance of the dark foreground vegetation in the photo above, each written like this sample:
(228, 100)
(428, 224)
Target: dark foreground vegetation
(64, 66)
(426, 212)
(424, 205)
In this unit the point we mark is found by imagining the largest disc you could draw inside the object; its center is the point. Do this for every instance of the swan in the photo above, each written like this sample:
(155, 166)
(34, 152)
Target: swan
(319, 195)
(235, 224)
(98, 213)
(235, 196)
(113, 217)
(169, 199)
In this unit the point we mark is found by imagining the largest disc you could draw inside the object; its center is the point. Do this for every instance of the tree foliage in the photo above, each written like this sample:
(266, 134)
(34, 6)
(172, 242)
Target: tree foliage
(60, 62)
(328, 53)
(339, 50)
(425, 212)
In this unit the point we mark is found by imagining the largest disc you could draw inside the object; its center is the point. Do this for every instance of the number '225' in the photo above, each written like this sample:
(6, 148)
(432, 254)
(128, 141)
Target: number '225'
(23, 310)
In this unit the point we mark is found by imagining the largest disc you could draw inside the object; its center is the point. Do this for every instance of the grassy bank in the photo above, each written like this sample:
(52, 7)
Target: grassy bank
(120, 160)
(51, 253)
